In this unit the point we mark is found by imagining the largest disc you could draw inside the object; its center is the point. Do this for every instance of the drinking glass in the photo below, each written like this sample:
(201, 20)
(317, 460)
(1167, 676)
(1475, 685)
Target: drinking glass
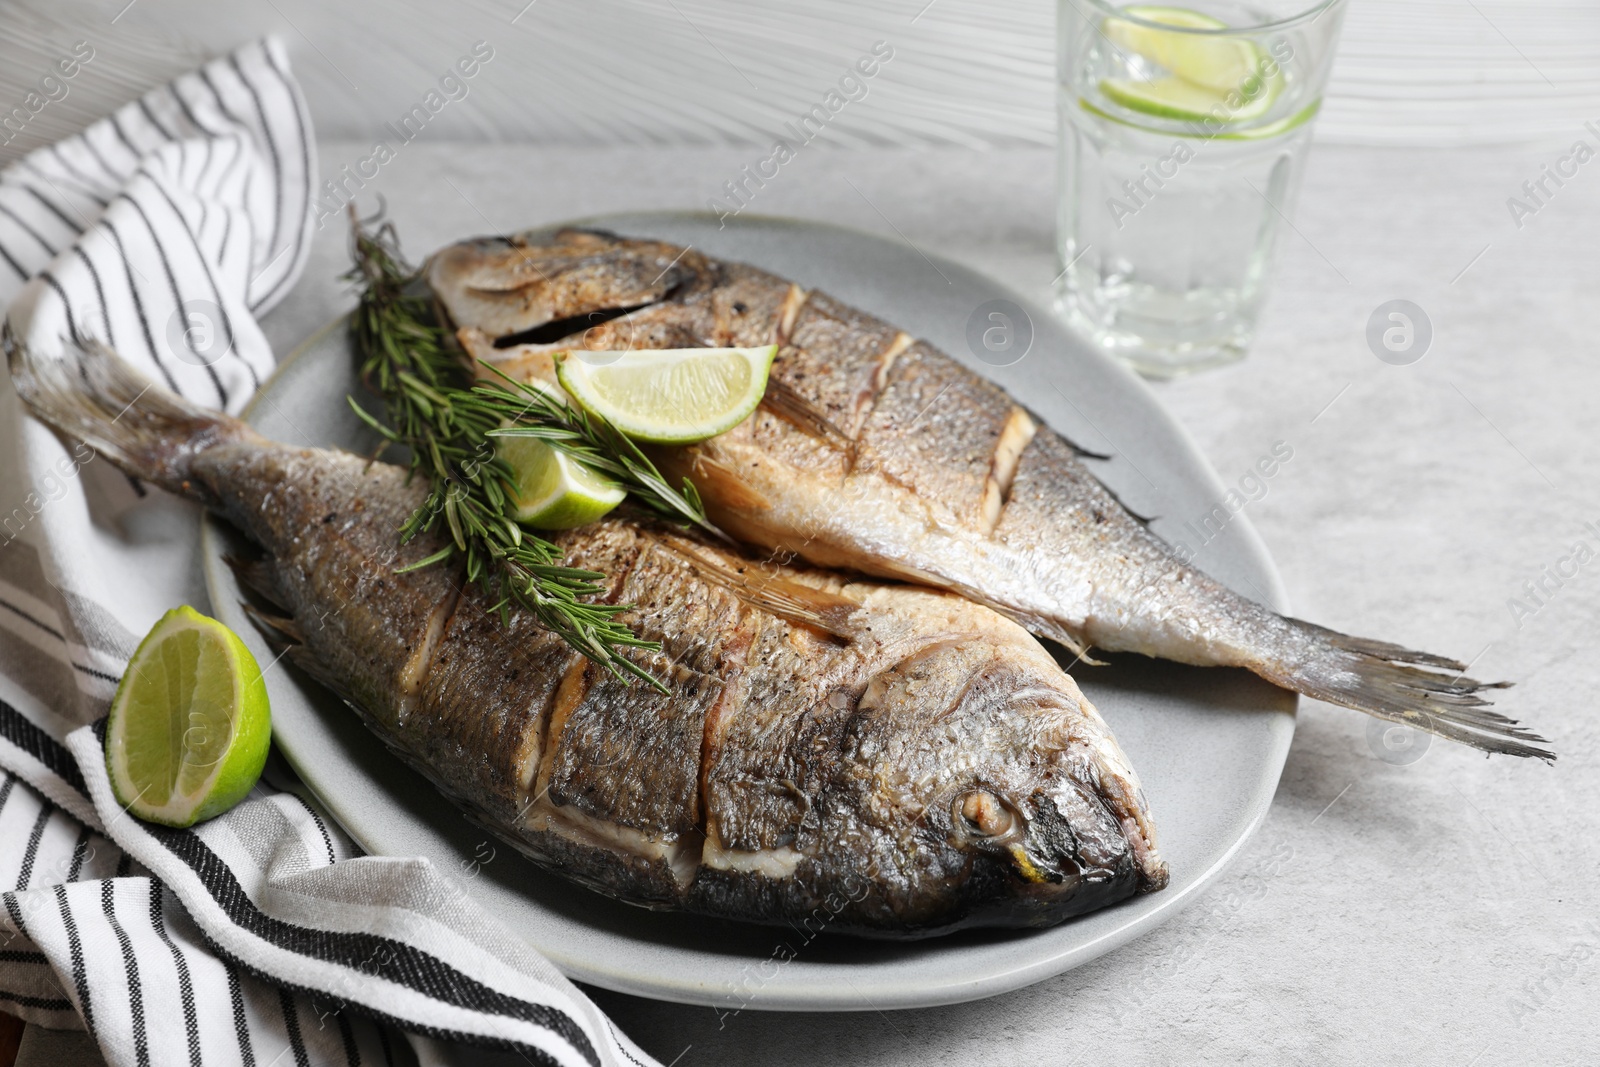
(1183, 134)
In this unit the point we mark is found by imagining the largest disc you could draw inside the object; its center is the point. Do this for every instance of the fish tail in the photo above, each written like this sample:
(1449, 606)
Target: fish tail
(1391, 682)
(91, 394)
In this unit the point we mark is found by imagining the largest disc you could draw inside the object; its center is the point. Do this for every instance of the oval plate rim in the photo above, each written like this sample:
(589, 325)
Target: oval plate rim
(799, 985)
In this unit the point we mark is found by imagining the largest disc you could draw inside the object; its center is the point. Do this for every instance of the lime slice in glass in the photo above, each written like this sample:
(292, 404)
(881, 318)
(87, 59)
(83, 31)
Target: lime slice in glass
(190, 724)
(1209, 74)
(552, 491)
(1274, 129)
(1174, 98)
(671, 396)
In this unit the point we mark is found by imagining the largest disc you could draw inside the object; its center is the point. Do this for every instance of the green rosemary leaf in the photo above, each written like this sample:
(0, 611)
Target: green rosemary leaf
(428, 561)
(366, 417)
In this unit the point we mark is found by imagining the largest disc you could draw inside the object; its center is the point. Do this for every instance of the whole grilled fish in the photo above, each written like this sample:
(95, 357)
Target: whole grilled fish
(875, 452)
(934, 769)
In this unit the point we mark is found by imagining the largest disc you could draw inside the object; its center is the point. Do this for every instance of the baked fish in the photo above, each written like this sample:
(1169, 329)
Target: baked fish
(925, 766)
(875, 452)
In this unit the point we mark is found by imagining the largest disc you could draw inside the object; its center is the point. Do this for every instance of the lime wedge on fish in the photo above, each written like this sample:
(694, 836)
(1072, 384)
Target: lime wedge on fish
(1204, 69)
(552, 491)
(672, 396)
(190, 723)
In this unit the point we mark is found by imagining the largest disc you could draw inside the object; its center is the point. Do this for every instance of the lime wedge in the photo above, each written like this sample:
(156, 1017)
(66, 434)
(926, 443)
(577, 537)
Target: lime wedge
(552, 491)
(1205, 70)
(190, 724)
(672, 396)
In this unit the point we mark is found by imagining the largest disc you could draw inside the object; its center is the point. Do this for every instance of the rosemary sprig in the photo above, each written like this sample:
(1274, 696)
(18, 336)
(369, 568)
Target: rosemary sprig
(411, 362)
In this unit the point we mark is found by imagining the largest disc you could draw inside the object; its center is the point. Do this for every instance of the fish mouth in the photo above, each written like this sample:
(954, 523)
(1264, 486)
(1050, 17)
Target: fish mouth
(1099, 830)
(1082, 846)
(1120, 791)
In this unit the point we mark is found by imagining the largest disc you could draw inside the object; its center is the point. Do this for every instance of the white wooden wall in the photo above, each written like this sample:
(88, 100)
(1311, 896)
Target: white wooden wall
(965, 72)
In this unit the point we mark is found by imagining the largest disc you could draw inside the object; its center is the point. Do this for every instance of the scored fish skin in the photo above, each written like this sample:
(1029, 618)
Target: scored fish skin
(933, 770)
(876, 452)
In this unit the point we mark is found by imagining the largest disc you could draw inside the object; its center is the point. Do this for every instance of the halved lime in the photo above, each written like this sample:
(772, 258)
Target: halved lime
(1210, 74)
(552, 491)
(190, 724)
(672, 396)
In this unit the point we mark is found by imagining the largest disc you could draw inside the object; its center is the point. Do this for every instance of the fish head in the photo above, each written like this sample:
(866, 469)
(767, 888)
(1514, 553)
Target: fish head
(997, 794)
(544, 286)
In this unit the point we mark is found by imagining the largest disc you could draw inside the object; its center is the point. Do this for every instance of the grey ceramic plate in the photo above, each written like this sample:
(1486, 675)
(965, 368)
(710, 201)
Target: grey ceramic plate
(1208, 744)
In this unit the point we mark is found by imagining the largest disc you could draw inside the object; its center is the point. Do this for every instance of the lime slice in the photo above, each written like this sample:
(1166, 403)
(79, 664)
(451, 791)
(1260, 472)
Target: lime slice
(1205, 70)
(190, 725)
(671, 396)
(1254, 133)
(1174, 98)
(1274, 129)
(552, 491)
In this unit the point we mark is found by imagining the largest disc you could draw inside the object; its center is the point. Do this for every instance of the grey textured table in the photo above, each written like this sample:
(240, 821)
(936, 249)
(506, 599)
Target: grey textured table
(1437, 912)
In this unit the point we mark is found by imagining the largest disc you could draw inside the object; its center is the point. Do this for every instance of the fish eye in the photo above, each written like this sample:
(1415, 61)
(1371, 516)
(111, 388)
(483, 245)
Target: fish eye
(984, 815)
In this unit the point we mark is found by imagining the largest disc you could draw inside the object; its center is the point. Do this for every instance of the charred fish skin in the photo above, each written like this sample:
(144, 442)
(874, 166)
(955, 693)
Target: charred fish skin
(933, 770)
(876, 452)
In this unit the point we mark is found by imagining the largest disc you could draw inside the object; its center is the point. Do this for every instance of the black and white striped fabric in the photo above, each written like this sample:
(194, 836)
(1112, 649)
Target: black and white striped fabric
(264, 936)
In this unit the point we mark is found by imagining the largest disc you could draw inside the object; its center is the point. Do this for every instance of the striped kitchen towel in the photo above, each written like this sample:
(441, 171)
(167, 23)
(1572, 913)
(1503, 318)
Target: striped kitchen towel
(264, 936)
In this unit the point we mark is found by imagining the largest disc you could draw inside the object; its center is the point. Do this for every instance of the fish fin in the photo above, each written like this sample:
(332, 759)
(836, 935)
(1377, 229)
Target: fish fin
(1417, 689)
(91, 394)
(1142, 520)
(794, 601)
(721, 483)
(1080, 453)
(288, 641)
(279, 629)
(257, 576)
(1077, 450)
(1054, 631)
(783, 401)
